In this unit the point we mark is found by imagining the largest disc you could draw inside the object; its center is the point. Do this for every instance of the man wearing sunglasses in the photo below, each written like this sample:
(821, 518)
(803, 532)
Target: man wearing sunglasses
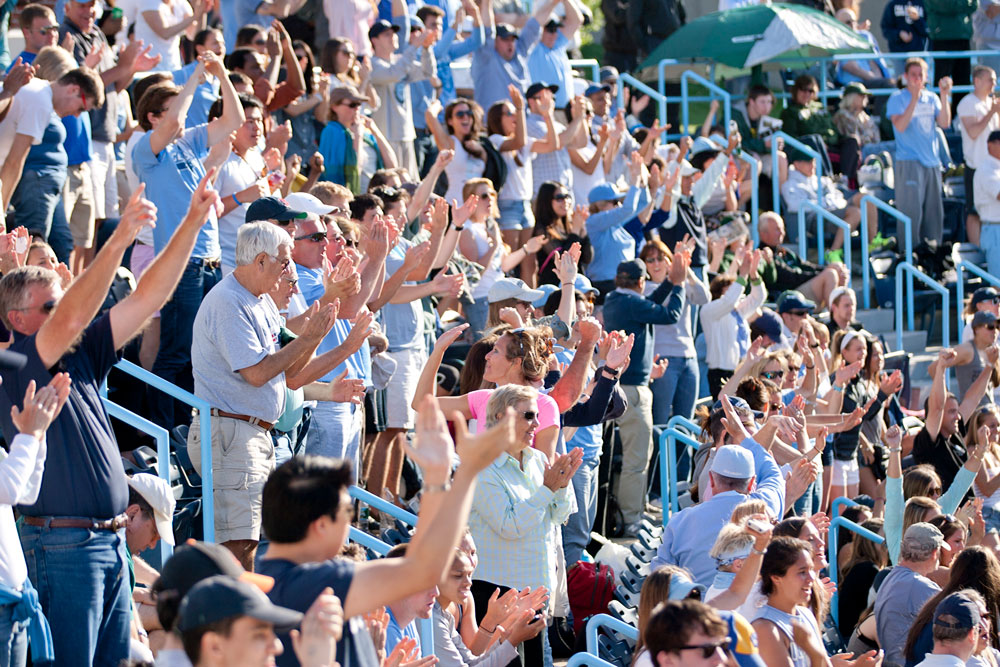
(548, 60)
(689, 633)
(39, 27)
(84, 494)
(793, 308)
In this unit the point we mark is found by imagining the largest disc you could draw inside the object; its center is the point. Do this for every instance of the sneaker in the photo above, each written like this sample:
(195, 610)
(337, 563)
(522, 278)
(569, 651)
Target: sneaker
(834, 256)
(878, 242)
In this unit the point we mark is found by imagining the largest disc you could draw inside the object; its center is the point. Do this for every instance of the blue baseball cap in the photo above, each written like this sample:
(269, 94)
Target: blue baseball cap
(582, 283)
(769, 324)
(957, 612)
(546, 290)
(273, 208)
(604, 192)
(595, 88)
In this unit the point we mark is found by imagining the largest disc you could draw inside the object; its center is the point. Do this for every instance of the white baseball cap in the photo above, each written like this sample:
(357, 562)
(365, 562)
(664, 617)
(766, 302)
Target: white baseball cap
(160, 497)
(303, 201)
(733, 461)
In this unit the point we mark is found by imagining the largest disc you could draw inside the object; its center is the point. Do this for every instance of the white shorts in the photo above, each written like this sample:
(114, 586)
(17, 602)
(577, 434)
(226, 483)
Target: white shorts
(402, 387)
(846, 473)
(102, 172)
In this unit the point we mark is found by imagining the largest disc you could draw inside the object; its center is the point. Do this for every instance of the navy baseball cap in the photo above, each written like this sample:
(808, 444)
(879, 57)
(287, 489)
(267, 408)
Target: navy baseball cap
(632, 268)
(506, 31)
(595, 88)
(794, 300)
(221, 597)
(538, 87)
(769, 324)
(381, 26)
(958, 612)
(985, 294)
(273, 208)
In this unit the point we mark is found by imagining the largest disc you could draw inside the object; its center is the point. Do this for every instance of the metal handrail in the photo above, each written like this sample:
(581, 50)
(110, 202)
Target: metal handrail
(381, 548)
(607, 621)
(908, 238)
(661, 100)
(668, 467)
(587, 660)
(914, 272)
(821, 215)
(754, 184)
(383, 505)
(595, 67)
(162, 438)
(839, 502)
(808, 150)
(960, 270)
(727, 100)
(205, 414)
(841, 522)
(678, 420)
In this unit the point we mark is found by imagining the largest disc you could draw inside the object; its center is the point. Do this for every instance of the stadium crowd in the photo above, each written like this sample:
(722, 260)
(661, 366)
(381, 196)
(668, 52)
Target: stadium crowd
(410, 250)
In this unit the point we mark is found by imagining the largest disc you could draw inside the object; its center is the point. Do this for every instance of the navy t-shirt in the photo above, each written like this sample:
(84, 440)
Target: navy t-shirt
(84, 476)
(297, 587)
(49, 156)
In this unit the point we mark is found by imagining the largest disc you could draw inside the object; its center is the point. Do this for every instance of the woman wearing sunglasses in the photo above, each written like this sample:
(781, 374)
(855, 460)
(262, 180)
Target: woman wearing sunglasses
(984, 298)
(463, 127)
(978, 353)
(563, 225)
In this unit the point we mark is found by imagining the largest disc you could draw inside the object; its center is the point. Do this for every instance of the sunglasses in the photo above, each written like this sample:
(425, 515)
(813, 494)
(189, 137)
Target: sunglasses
(46, 29)
(353, 105)
(46, 307)
(284, 223)
(655, 259)
(464, 113)
(315, 237)
(707, 650)
(259, 42)
(798, 313)
(934, 491)
(529, 415)
(992, 327)
(508, 112)
(562, 196)
(771, 375)
(292, 282)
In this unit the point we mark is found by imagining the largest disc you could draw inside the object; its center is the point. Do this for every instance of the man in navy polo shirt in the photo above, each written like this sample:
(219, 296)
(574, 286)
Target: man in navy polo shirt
(74, 535)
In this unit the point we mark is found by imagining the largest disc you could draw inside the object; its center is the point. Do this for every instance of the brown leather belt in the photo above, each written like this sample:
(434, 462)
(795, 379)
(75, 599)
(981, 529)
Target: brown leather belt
(55, 522)
(255, 421)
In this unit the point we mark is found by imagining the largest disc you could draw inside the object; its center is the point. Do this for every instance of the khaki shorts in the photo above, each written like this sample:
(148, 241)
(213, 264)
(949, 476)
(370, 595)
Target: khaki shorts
(402, 387)
(78, 199)
(242, 458)
(105, 184)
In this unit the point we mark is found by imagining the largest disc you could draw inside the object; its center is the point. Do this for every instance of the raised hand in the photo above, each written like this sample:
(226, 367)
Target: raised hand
(450, 336)
(560, 472)
(315, 644)
(446, 284)
(618, 356)
(510, 316)
(847, 373)
(433, 448)
(459, 214)
(732, 422)
(320, 320)
(347, 390)
(415, 255)
(21, 73)
(516, 98)
(316, 164)
(138, 213)
(679, 268)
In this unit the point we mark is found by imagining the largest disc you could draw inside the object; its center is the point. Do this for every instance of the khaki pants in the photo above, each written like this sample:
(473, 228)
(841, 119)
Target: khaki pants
(636, 430)
(78, 199)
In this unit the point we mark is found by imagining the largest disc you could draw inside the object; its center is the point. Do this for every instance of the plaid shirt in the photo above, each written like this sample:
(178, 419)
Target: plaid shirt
(514, 522)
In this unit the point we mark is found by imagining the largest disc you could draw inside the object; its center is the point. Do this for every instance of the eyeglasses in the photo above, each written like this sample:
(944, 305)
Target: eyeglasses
(771, 375)
(353, 104)
(315, 237)
(655, 259)
(562, 196)
(798, 313)
(292, 282)
(46, 307)
(484, 195)
(529, 415)
(463, 113)
(46, 29)
(707, 650)
(260, 41)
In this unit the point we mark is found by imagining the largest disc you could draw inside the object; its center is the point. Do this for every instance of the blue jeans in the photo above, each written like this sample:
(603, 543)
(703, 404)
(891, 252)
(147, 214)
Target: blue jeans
(477, 314)
(335, 431)
(576, 532)
(989, 241)
(60, 238)
(82, 583)
(173, 361)
(13, 639)
(675, 394)
(35, 198)
(808, 504)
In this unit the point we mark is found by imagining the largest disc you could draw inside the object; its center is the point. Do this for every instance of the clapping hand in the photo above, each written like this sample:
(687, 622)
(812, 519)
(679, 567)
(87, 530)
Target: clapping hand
(315, 644)
(618, 356)
(560, 472)
(659, 365)
(347, 390)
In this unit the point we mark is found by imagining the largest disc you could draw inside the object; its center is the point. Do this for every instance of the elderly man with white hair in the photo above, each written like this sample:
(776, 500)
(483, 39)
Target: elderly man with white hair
(239, 368)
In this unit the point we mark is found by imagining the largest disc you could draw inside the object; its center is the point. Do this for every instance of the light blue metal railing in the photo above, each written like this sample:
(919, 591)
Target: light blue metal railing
(824, 215)
(835, 524)
(776, 192)
(588, 63)
(960, 270)
(838, 503)
(381, 548)
(383, 505)
(599, 621)
(927, 280)
(661, 100)
(668, 467)
(162, 438)
(908, 246)
(754, 186)
(587, 660)
(684, 422)
(727, 100)
(205, 414)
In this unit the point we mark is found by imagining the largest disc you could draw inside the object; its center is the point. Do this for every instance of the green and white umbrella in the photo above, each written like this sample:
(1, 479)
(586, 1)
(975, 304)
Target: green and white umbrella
(772, 35)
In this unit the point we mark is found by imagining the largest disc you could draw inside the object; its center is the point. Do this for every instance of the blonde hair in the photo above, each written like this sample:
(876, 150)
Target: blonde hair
(733, 542)
(748, 507)
(507, 396)
(916, 509)
(52, 62)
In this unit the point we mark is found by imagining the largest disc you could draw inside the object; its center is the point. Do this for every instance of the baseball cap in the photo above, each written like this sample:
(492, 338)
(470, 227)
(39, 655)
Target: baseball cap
(273, 208)
(984, 294)
(794, 300)
(608, 73)
(160, 497)
(595, 88)
(733, 461)
(220, 597)
(546, 290)
(702, 149)
(632, 269)
(507, 31)
(855, 87)
(681, 587)
(603, 192)
(416, 23)
(512, 288)
(982, 318)
(538, 87)
(343, 94)
(742, 639)
(381, 26)
(582, 283)
(687, 169)
(769, 323)
(194, 561)
(798, 155)
(303, 201)
(553, 24)
(958, 612)
(924, 537)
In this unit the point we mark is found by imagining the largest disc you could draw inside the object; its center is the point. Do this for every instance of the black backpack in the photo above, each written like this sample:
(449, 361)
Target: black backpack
(496, 167)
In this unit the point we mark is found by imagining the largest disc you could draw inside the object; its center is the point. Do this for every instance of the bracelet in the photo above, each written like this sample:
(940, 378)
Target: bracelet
(813, 344)
(457, 228)
(613, 371)
(238, 202)
(489, 632)
(435, 488)
(811, 367)
(563, 284)
(759, 552)
(836, 388)
(895, 449)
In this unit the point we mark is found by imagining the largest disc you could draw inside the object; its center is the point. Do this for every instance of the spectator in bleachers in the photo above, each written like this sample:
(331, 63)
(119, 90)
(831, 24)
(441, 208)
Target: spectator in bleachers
(687, 632)
(791, 272)
(404, 612)
(979, 113)
(984, 298)
(551, 160)
(339, 60)
(851, 120)
(39, 29)
(548, 60)
(207, 93)
(917, 167)
(262, 69)
(904, 27)
(986, 195)
(351, 145)
(843, 308)
(986, 33)
(84, 476)
(150, 514)
(873, 72)
(757, 126)
(949, 28)
(461, 133)
(160, 24)
(807, 119)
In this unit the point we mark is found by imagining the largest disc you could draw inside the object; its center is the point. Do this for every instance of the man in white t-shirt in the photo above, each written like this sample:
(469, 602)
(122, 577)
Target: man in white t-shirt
(986, 189)
(979, 114)
(240, 181)
(76, 91)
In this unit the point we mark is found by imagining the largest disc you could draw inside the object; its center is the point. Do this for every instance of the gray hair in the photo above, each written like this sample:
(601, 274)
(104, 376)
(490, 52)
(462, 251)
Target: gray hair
(505, 397)
(259, 237)
(15, 285)
(916, 554)
(733, 542)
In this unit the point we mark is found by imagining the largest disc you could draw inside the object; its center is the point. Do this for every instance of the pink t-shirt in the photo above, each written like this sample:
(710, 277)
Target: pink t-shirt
(548, 409)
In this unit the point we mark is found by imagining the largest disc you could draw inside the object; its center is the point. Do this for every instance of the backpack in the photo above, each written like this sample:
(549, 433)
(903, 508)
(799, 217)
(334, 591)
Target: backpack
(496, 167)
(590, 587)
